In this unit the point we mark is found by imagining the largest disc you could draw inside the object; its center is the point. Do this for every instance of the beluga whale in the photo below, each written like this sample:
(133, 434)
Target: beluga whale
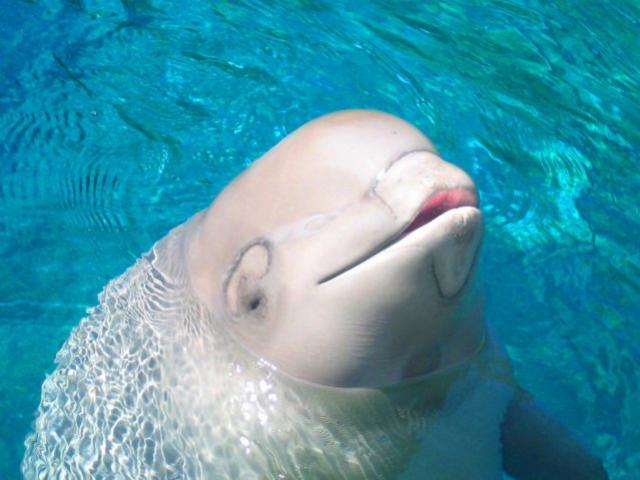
(321, 319)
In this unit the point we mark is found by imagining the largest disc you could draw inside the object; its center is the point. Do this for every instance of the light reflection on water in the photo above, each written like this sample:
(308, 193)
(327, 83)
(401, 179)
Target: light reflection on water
(120, 120)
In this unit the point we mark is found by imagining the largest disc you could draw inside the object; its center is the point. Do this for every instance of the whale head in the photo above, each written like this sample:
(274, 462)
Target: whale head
(345, 255)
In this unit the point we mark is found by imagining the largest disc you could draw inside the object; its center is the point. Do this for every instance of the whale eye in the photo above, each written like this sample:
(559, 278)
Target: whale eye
(254, 303)
(244, 293)
(251, 299)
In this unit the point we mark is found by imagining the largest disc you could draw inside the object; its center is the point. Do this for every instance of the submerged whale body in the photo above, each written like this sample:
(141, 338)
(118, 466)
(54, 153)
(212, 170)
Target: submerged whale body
(319, 320)
(150, 386)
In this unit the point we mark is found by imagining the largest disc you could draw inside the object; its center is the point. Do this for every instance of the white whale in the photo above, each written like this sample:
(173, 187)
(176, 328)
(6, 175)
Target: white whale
(320, 319)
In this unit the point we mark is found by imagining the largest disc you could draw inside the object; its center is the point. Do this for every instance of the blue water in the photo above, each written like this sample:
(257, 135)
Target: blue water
(118, 120)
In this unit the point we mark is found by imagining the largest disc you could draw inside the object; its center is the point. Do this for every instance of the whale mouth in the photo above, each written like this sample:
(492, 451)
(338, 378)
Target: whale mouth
(440, 202)
(436, 204)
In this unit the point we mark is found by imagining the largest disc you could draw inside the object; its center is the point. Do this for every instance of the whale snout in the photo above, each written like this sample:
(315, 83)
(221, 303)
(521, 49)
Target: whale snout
(434, 214)
(410, 185)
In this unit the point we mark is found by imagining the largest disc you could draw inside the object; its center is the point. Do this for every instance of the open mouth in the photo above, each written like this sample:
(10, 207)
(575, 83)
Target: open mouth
(438, 203)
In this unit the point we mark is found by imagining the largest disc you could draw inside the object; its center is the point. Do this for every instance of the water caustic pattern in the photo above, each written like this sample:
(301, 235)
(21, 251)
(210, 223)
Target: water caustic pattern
(150, 386)
(118, 120)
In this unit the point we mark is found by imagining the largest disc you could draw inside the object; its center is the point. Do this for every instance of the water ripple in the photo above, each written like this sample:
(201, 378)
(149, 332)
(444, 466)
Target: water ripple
(118, 120)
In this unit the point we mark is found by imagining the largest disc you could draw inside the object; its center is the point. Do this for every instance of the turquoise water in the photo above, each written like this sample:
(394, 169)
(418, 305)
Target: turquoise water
(118, 120)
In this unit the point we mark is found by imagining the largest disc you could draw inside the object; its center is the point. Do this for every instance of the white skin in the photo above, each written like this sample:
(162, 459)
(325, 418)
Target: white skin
(305, 256)
(326, 198)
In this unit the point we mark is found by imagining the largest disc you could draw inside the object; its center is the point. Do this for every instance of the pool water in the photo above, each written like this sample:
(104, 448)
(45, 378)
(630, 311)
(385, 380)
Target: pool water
(119, 120)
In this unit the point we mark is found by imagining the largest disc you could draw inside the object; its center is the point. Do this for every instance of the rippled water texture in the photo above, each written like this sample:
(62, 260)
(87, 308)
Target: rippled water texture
(120, 120)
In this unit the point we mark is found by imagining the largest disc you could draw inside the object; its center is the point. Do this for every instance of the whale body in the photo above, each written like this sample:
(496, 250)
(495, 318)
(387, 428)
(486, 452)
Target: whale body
(321, 319)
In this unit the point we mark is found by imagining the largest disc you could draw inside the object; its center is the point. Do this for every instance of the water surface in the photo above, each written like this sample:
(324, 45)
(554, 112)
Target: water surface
(119, 120)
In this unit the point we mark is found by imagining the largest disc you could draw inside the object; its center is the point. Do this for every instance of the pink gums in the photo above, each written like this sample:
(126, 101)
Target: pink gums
(441, 202)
